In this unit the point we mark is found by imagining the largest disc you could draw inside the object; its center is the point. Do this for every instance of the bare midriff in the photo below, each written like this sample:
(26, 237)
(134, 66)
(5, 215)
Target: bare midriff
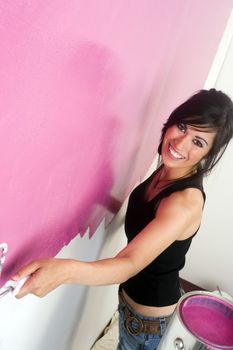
(150, 311)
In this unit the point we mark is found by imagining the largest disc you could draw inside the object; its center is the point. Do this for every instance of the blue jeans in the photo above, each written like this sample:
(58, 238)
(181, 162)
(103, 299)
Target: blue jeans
(142, 341)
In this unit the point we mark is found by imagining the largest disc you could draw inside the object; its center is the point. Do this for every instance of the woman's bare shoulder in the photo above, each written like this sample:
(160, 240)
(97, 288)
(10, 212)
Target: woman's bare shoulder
(189, 199)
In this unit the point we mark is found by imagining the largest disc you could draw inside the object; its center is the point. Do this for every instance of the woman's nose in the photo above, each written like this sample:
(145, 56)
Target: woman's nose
(182, 142)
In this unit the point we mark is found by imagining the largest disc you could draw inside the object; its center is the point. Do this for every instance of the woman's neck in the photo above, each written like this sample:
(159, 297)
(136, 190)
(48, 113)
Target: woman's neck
(173, 174)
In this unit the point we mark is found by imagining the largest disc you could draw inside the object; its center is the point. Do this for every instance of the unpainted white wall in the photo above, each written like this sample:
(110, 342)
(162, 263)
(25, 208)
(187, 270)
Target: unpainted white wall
(47, 323)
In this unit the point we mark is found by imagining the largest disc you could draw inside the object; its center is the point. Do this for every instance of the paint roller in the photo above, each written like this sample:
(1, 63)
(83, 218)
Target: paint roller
(10, 286)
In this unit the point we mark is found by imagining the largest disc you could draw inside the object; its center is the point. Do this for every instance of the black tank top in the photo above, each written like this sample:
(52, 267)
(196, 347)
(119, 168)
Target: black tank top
(158, 283)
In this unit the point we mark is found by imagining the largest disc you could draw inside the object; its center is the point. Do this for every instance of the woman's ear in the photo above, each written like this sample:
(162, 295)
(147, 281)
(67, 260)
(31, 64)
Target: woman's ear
(202, 163)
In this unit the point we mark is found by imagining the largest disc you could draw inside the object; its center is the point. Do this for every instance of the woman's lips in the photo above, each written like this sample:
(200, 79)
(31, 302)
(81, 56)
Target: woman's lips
(173, 153)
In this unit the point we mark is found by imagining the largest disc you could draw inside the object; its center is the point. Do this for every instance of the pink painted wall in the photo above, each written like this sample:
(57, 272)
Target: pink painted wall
(84, 88)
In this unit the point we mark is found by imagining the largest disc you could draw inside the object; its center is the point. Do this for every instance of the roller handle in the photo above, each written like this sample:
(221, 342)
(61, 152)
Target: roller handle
(13, 286)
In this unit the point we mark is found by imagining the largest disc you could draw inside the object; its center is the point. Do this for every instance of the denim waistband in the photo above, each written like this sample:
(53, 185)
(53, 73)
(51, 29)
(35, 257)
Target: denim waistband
(137, 323)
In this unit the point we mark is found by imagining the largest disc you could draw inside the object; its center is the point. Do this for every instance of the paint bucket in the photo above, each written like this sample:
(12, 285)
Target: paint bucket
(202, 320)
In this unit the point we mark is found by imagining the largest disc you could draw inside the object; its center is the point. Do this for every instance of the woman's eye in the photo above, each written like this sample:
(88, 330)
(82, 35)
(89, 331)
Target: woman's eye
(182, 127)
(197, 143)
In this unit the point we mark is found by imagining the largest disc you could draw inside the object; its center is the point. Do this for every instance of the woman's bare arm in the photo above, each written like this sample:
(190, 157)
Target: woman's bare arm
(175, 215)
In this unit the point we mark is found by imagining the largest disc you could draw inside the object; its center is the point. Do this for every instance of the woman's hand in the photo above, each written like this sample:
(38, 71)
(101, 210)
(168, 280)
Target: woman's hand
(44, 276)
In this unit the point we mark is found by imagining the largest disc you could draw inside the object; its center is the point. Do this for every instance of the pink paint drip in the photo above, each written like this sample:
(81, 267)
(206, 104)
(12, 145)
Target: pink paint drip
(209, 319)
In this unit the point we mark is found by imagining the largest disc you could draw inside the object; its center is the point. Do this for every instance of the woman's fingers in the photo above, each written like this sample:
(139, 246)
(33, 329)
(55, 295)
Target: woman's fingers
(26, 270)
(44, 276)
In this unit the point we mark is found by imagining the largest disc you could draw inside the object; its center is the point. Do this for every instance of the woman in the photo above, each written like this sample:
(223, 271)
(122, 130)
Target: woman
(163, 215)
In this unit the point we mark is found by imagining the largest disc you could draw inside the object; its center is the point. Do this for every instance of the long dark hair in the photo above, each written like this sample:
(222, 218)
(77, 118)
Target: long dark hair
(209, 111)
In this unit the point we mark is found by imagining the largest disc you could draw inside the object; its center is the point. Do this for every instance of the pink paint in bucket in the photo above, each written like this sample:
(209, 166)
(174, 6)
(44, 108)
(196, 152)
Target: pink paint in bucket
(210, 319)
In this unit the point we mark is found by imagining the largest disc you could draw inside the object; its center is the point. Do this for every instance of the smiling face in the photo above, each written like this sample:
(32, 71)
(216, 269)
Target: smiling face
(184, 147)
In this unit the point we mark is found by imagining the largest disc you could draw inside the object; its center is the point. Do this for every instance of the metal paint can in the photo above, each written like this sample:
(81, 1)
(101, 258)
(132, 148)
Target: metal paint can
(202, 320)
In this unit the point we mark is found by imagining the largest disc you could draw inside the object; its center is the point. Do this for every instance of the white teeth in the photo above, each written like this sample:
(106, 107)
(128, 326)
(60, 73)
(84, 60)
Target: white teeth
(174, 153)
